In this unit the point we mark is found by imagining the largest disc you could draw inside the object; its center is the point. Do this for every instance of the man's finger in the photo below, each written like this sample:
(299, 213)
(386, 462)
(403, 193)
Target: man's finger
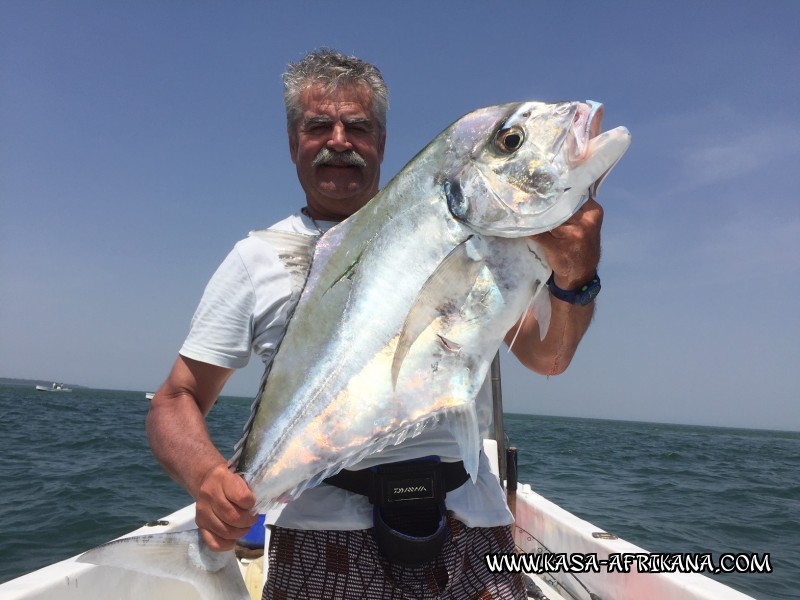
(239, 493)
(215, 542)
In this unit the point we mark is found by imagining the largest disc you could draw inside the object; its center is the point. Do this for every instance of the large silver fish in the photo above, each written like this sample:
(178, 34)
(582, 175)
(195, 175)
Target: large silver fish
(408, 300)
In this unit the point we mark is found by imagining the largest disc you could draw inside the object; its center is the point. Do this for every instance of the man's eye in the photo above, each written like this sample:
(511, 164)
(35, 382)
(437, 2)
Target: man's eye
(360, 127)
(316, 126)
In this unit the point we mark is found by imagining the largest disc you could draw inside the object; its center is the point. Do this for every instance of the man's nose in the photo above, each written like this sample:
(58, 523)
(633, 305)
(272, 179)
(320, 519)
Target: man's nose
(338, 140)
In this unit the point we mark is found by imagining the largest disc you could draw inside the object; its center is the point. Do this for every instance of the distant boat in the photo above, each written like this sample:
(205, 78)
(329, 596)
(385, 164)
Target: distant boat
(149, 395)
(56, 387)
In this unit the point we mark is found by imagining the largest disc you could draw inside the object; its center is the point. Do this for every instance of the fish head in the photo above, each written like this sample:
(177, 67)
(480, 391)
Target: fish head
(520, 169)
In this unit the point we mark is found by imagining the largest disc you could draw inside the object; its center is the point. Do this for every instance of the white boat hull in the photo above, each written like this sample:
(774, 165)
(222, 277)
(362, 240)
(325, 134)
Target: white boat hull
(71, 580)
(43, 388)
(541, 526)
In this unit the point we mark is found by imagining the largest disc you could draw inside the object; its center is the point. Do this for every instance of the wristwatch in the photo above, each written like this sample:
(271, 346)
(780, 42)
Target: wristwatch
(581, 296)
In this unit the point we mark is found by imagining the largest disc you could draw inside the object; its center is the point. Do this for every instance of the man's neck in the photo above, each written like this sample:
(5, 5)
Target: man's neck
(318, 216)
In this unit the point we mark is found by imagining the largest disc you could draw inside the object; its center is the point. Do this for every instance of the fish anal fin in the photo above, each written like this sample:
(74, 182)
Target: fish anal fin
(448, 286)
(463, 425)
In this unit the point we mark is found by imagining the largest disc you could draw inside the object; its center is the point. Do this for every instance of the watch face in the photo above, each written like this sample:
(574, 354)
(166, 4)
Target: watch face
(590, 293)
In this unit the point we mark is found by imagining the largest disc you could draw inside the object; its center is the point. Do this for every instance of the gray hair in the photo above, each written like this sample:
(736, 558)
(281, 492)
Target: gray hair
(332, 70)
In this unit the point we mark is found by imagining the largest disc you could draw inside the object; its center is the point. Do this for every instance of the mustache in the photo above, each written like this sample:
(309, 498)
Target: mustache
(348, 158)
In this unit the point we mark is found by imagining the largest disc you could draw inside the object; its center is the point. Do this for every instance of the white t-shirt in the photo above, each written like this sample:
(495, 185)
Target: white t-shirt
(244, 309)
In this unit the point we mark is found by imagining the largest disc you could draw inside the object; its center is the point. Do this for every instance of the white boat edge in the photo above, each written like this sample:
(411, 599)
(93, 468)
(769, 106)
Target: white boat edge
(539, 523)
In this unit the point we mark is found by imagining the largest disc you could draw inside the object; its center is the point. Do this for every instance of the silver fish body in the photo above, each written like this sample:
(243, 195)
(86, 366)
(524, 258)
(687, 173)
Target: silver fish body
(403, 308)
(408, 300)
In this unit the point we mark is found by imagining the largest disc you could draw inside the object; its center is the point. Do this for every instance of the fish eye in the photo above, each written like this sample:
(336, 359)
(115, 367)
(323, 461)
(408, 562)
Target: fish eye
(509, 140)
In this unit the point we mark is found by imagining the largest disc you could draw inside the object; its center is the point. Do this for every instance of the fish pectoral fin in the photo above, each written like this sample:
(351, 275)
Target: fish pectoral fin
(447, 286)
(179, 555)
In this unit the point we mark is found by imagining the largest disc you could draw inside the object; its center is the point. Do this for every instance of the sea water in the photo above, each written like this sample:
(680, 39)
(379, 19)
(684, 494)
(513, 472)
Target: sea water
(76, 471)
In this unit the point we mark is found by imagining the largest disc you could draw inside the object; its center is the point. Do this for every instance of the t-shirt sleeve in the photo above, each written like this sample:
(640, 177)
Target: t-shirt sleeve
(244, 309)
(221, 329)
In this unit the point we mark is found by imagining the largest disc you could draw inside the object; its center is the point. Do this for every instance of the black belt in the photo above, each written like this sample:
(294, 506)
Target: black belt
(420, 481)
(409, 515)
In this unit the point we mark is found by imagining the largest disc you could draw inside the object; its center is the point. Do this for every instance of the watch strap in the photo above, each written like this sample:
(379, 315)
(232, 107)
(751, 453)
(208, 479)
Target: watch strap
(582, 295)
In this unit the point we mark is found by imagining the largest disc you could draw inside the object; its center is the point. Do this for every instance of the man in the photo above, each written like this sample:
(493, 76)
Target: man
(336, 115)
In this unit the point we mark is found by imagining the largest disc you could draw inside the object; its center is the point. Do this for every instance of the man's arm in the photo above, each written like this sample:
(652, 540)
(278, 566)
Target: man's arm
(176, 428)
(573, 251)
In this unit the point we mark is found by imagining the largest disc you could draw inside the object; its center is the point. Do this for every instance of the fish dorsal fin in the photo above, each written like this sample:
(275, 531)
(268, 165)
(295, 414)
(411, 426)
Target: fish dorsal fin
(450, 283)
(294, 250)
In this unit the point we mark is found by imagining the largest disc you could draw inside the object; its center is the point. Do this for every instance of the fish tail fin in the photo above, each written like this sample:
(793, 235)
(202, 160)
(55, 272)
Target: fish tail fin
(181, 555)
(463, 425)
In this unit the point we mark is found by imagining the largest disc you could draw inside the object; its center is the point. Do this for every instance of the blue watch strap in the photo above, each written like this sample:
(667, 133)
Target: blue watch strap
(582, 296)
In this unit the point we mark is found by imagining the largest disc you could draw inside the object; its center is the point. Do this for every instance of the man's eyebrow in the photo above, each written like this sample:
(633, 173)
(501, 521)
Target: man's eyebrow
(325, 120)
(357, 121)
(318, 120)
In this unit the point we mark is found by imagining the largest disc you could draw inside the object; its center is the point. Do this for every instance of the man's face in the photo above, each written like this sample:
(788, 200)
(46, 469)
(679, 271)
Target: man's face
(331, 128)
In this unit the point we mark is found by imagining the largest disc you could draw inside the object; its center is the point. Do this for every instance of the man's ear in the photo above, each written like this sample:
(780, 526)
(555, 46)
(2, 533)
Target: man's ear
(381, 145)
(293, 145)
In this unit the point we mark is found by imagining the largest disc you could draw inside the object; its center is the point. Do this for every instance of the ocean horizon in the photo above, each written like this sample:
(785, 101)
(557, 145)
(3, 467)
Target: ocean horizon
(12, 382)
(77, 471)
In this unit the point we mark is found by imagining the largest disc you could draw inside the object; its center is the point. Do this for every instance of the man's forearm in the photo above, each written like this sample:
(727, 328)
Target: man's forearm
(568, 323)
(553, 354)
(180, 441)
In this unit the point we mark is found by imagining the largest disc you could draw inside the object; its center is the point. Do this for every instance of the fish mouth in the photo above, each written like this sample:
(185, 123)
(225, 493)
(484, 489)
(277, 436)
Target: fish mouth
(584, 139)
(586, 124)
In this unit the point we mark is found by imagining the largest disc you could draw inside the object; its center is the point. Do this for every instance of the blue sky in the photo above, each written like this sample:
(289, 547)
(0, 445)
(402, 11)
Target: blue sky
(140, 141)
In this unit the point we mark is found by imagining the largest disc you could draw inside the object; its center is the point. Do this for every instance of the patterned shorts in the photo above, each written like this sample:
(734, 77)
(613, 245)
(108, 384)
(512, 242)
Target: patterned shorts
(348, 565)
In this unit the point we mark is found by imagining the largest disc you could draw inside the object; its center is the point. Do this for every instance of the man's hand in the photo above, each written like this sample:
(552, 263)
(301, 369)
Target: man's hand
(223, 513)
(179, 438)
(573, 249)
